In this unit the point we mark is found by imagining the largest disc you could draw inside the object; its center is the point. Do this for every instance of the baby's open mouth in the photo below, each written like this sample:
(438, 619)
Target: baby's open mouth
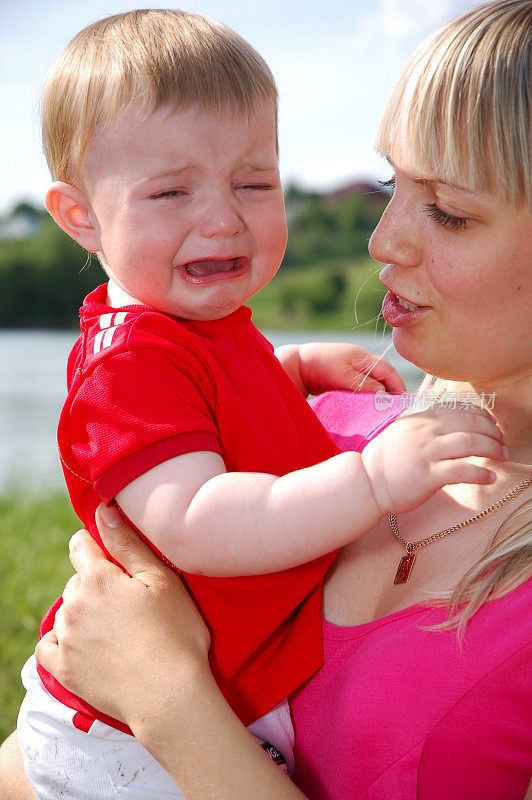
(200, 269)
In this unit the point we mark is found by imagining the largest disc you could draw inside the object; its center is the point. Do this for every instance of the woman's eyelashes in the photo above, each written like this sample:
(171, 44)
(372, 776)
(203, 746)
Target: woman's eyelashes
(389, 184)
(449, 221)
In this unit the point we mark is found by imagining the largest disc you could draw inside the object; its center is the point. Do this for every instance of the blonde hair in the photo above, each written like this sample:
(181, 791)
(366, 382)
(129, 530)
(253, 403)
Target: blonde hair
(463, 104)
(462, 109)
(145, 59)
(504, 565)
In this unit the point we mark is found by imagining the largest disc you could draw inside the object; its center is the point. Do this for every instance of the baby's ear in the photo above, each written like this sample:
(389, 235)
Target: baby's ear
(71, 209)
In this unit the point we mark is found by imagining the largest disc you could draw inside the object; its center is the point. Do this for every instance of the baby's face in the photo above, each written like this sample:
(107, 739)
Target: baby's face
(188, 208)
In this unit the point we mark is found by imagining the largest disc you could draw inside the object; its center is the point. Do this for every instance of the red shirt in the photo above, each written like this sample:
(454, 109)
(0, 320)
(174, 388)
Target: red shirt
(145, 387)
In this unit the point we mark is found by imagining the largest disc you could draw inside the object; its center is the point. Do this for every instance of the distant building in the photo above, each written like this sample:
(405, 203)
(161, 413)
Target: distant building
(23, 222)
(373, 192)
(297, 199)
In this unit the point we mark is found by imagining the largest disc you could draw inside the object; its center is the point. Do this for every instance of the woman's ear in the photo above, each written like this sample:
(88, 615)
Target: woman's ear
(70, 208)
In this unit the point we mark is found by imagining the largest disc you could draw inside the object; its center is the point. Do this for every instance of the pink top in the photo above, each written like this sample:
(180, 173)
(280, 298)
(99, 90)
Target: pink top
(401, 713)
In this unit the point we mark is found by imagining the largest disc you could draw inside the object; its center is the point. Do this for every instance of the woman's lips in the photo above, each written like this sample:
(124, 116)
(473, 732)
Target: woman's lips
(211, 270)
(399, 312)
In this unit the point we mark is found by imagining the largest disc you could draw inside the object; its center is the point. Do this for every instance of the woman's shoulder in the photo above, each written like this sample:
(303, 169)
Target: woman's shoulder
(353, 418)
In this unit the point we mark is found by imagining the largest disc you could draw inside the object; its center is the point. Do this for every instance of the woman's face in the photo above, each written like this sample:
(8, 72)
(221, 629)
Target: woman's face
(462, 261)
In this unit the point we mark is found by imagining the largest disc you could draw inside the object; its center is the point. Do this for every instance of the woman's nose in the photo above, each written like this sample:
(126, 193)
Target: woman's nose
(220, 217)
(397, 238)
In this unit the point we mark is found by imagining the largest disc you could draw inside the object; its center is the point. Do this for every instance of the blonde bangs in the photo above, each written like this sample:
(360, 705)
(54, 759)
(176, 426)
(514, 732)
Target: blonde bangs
(145, 59)
(462, 107)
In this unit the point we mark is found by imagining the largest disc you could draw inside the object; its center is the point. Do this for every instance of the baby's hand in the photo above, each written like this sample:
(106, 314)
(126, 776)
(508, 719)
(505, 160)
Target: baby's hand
(322, 366)
(418, 454)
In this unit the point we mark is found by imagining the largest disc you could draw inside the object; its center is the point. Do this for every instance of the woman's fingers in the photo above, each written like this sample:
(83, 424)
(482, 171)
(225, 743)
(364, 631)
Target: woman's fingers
(125, 545)
(84, 552)
(71, 587)
(111, 623)
(47, 651)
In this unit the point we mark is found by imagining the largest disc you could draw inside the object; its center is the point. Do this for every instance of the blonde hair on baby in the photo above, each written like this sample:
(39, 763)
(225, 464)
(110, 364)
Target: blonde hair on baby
(145, 59)
(462, 107)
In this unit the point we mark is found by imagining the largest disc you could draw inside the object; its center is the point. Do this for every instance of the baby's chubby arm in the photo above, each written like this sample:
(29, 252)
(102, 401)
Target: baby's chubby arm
(208, 521)
(317, 367)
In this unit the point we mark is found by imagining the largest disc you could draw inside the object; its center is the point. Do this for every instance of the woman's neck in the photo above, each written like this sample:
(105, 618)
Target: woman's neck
(510, 403)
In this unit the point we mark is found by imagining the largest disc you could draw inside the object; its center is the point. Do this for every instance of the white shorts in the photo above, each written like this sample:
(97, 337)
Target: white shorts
(105, 764)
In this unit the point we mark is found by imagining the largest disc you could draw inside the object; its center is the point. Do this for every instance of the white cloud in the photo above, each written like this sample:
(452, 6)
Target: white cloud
(406, 18)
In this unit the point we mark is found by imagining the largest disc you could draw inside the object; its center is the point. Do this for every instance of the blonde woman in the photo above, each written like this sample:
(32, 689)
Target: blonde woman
(424, 692)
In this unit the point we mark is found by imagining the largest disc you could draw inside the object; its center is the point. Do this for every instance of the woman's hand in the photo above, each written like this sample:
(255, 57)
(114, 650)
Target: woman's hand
(120, 636)
(135, 646)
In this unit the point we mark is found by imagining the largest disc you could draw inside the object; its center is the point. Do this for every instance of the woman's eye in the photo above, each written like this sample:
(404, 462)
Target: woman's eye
(389, 184)
(448, 221)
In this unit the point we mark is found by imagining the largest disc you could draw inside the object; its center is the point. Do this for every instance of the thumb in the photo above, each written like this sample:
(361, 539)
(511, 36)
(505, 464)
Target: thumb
(125, 545)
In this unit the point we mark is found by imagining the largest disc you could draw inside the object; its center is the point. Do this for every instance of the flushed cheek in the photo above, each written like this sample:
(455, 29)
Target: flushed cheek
(151, 245)
(456, 285)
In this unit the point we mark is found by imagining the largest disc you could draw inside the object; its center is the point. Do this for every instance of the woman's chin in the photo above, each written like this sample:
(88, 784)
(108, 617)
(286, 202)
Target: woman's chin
(427, 356)
(407, 349)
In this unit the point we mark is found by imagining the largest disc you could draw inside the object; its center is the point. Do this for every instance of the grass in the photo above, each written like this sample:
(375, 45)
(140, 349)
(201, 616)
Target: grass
(34, 534)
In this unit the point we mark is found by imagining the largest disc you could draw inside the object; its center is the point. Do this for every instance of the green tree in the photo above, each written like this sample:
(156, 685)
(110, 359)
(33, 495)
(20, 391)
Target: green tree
(44, 278)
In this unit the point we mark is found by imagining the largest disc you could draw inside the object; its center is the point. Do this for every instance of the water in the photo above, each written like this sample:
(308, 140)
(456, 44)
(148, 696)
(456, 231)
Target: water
(32, 391)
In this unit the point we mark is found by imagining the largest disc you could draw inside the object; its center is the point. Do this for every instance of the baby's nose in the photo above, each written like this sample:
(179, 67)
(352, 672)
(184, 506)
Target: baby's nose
(221, 218)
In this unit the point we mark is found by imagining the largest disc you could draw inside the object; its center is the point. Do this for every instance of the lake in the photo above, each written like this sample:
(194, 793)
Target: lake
(32, 390)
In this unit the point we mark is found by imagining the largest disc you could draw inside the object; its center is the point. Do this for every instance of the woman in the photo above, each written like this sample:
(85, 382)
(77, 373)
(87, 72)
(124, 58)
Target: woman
(414, 700)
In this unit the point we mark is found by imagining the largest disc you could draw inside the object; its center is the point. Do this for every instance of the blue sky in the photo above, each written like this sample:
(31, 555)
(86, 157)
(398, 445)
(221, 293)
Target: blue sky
(335, 62)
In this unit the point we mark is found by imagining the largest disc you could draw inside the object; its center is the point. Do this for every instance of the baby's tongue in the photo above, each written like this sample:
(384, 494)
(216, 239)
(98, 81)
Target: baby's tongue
(201, 268)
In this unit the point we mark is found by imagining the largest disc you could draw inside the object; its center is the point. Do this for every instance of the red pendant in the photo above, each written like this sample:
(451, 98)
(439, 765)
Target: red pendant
(404, 569)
